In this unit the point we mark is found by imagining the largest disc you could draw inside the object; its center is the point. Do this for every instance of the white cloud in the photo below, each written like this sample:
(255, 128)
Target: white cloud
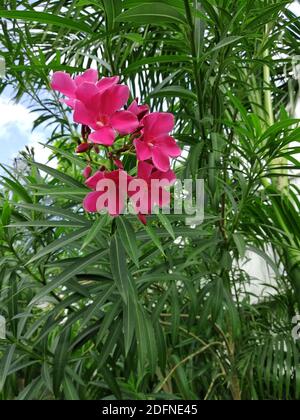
(16, 123)
(13, 113)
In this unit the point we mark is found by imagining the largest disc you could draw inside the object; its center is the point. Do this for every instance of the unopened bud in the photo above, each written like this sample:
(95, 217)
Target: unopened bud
(87, 172)
(118, 163)
(142, 218)
(83, 147)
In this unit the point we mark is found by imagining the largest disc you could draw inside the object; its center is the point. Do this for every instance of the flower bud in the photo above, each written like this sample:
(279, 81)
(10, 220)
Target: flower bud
(118, 163)
(87, 172)
(83, 147)
(142, 218)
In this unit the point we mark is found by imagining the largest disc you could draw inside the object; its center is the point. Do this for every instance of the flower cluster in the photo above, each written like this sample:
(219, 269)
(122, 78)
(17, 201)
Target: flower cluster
(101, 107)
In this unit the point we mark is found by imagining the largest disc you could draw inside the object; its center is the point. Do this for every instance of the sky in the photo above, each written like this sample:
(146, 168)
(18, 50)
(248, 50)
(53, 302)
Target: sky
(16, 125)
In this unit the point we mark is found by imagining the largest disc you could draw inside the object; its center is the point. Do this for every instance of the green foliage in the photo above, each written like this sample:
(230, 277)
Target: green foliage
(97, 308)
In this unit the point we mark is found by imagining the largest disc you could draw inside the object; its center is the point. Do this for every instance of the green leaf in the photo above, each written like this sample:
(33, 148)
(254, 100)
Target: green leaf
(56, 211)
(60, 359)
(6, 214)
(167, 225)
(94, 308)
(137, 38)
(18, 189)
(128, 4)
(119, 267)
(95, 3)
(151, 232)
(47, 18)
(128, 238)
(69, 389)
(240, 244)
(58, 175)
(71, 157)
(76, 193)
(67, 274)
(110, 343)
(129, 322)
(59, 244)
(156, 13)
(47, 378)
(111, 381)
(95, 230)
(159, 59)
(145, 340)
(45, 223)
(32, 390)
(112, 9)
(225, 42)
(174, 91)
(5, 364)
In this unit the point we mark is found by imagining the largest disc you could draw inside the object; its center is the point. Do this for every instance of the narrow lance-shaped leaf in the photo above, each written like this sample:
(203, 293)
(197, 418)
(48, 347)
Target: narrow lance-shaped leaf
(67, 179)
(5, 364)
(119, 267)
(68, 273)
(95, 230)
(128, 238)
(47, 18)
(59, 244)
(154, 13)
(60, 360)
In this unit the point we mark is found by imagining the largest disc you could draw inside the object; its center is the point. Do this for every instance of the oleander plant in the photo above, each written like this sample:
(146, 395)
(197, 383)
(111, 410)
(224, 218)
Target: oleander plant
(105, 304)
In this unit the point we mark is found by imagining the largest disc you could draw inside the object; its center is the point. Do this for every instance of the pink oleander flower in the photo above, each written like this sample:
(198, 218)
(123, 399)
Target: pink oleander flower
(110, 192)
(139, 110)
(148, 190)
(63, 83)
(101, 107)
(155, 142)
(101, 110)
(97, 104)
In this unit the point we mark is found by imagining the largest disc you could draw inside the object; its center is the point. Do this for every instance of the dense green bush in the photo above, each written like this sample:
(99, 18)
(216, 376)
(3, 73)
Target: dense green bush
(190, 325)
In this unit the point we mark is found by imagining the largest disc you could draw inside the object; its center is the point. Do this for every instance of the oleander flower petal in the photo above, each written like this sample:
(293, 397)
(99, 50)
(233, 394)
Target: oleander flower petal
(90, 201)
(124, 122)
(107, 82)
(104, 135)
(157, 124)
(111, 192)
(63, 83)
(86, 93)
(143, 150)
(139, 110)
(93, 181)
(89, 75)
(145, 170)
(160, 159)
(169, 146)
(82, 115)
(112, 99)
